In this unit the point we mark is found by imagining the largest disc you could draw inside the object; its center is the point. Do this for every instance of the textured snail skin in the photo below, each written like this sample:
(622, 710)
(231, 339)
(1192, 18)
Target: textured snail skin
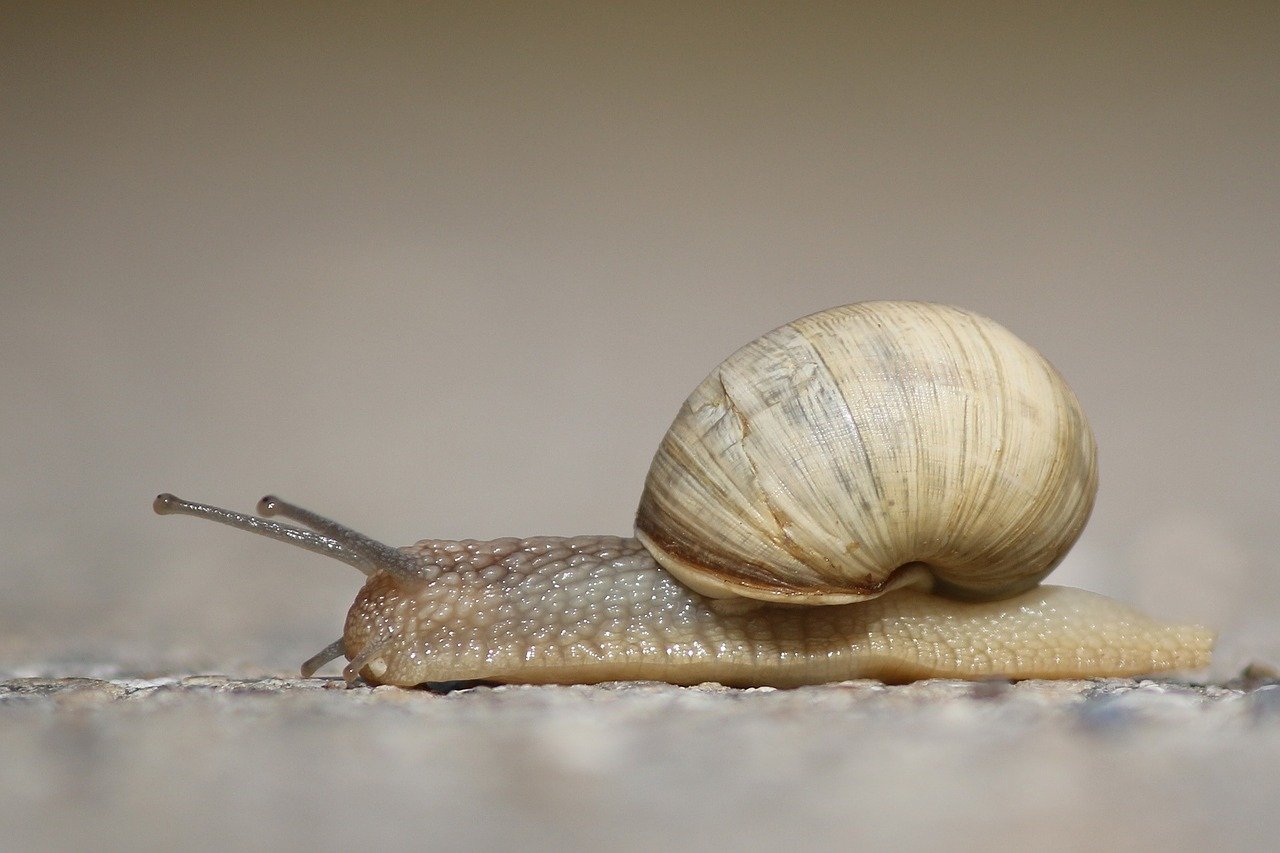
(598, 608)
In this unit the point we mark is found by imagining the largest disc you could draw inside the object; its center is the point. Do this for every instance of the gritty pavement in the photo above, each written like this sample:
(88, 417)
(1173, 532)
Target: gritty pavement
(211, 762)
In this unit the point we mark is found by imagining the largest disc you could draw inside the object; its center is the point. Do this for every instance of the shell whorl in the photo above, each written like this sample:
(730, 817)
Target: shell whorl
(856, 449)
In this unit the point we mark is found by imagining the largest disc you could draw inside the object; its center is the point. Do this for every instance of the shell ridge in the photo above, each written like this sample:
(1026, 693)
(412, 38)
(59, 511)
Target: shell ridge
(977, 496)
(830, 508)
(872, 475)
(784, 520)
(781, 537)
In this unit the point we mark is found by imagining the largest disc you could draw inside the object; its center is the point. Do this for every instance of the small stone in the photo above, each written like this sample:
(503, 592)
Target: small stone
(1255, 675)
(1265, 701)
(990, 689)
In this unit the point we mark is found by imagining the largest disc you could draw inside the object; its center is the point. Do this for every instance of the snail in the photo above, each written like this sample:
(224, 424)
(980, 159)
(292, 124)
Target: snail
(872, 491)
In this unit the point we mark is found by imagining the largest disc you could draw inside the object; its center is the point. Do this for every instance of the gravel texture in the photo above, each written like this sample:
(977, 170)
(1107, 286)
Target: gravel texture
(218, 762)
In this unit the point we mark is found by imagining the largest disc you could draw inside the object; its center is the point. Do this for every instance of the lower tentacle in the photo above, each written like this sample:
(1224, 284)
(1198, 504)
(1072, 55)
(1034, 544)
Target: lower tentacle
(331, 652)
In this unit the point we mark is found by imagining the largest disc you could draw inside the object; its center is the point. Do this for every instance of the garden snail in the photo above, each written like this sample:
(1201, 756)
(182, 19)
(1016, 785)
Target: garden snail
(871, 491)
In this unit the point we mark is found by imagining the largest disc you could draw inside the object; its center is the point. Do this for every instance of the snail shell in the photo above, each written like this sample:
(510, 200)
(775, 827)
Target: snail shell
(868, 447)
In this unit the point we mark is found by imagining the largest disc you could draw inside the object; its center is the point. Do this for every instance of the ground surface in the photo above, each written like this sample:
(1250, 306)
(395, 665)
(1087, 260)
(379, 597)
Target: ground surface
(217, 762)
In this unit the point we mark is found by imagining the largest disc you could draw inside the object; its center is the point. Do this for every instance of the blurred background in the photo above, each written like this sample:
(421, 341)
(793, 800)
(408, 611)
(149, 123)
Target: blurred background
(449, 270)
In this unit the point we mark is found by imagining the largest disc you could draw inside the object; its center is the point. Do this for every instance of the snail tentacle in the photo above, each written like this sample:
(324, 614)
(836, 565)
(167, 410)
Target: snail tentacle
(167, 504)
(379, 555)
(331, 652)
(369, 656)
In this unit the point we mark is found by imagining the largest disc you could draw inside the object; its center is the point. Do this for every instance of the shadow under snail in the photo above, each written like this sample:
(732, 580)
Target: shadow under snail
(872, 491)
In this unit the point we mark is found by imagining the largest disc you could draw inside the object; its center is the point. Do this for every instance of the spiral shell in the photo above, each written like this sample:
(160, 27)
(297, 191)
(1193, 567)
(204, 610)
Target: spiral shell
(867, 447)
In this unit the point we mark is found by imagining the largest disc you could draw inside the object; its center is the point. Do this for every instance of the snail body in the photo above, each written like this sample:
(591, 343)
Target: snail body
(873, 491)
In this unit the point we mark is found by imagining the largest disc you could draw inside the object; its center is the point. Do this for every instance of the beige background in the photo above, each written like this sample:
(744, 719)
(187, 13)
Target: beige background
(450, 269)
